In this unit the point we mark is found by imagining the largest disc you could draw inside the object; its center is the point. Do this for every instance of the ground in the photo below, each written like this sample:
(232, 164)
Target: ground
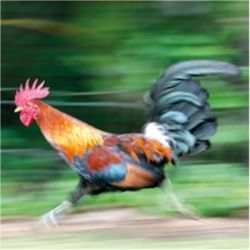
(124, 228)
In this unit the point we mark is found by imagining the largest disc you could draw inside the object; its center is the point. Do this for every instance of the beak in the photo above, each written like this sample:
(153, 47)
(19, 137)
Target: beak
(18, 109)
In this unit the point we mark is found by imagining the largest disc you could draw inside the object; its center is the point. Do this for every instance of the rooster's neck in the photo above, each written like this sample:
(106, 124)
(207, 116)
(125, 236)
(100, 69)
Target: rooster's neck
(70, 136)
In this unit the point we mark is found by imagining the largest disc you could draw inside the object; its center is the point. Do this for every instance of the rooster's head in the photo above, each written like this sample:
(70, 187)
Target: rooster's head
(25, 101)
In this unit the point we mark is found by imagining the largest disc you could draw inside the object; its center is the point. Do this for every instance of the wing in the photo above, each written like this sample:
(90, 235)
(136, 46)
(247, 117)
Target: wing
(144, 160)
(102, 166)
(124, 162)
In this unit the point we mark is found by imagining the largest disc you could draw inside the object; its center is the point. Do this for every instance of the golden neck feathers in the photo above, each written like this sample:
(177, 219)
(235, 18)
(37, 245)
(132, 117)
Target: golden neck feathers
(70, 136)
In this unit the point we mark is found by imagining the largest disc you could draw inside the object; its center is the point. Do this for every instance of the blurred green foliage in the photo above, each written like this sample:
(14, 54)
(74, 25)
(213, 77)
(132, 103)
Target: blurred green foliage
(110, 46)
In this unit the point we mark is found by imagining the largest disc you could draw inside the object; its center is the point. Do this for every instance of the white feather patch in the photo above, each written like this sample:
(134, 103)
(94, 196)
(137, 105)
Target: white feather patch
(157, 132)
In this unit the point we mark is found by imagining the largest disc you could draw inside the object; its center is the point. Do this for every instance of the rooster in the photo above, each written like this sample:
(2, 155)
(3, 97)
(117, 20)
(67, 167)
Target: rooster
(180, 123)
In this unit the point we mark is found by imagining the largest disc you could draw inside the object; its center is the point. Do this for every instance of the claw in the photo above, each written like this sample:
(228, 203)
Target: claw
(49, 220)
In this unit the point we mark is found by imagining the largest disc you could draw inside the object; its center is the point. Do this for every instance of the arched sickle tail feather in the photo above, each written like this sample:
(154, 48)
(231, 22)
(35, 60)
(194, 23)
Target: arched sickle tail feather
(178, 106)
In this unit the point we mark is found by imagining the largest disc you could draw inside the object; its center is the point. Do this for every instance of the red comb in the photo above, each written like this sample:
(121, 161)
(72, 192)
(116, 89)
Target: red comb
(28, 93)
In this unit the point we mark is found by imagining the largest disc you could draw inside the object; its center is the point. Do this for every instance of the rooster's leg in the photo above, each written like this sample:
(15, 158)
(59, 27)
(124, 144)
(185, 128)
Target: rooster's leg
(189, 211)
(51, 218)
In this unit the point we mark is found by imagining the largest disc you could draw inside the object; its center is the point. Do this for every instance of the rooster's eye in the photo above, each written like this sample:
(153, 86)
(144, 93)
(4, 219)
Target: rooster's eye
(31, 105)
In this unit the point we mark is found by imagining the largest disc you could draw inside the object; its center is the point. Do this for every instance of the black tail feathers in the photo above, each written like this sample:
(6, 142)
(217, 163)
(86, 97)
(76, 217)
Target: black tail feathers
(181, 104)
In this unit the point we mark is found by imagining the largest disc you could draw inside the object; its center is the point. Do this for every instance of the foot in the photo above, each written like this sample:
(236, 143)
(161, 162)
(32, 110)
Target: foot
(50, 219)
(187, 211)
(184, 210)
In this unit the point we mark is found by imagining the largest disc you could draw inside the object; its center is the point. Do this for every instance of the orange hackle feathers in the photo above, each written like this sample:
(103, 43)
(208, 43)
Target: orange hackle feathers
(67, 134)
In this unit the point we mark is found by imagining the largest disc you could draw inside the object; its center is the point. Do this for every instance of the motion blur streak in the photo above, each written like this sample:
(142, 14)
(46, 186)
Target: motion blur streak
(90, 104)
